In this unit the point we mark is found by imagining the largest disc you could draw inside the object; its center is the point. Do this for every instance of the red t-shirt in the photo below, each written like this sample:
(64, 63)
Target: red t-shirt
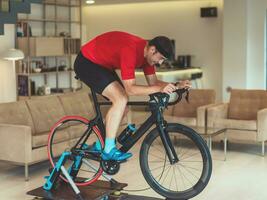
(118, 50)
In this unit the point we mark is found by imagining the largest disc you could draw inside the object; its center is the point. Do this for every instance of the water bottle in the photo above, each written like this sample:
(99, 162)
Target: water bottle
(126, 133)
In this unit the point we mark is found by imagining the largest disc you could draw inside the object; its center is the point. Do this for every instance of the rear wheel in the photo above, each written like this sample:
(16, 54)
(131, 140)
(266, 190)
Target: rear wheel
(83, 165)
(184, 179)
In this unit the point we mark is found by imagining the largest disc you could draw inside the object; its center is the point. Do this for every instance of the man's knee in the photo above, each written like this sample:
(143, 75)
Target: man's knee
(121, 100)
(116, 94)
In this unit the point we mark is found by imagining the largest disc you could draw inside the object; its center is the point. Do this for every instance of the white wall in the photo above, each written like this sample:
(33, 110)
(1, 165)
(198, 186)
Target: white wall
(243, 33)
(180, 20)
(7, 78)
(256, 61)
(234, 45)
(244, 44)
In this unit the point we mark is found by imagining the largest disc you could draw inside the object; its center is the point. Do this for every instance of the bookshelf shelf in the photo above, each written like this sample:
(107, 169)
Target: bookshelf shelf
(63, 3)
(48, 20)
(50, 38)
(44, 73)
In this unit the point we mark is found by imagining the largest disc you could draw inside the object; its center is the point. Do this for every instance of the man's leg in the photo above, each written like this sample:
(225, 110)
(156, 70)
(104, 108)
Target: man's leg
(97, 146)
(125, 117)
(117, 95)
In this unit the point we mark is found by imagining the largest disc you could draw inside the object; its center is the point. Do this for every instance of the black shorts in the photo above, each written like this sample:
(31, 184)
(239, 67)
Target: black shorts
(93, 75)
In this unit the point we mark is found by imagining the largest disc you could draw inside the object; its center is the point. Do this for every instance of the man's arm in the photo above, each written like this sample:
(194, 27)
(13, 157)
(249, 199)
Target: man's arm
(132, 89)
(152, 80)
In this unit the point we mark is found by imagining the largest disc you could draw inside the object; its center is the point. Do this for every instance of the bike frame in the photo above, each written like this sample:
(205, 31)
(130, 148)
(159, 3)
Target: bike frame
(156, 118)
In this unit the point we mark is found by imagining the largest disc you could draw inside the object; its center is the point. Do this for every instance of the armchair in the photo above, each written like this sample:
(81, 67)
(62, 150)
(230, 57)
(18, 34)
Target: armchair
(245, 116)
(193, 113)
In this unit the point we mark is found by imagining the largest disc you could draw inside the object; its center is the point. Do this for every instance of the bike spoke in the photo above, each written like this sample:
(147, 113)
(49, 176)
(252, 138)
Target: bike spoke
(192, 161)
(158, 167)
(191, 167)
(190, 156)
(181, 177)
(185, 153)
(171, 179)
(184, 166)
(159, 150)
(160, 175)
(186, 177)
(197, 178)
(181, 149)
(175, 179)
(166, 174)
(155, 161)
(157, 157)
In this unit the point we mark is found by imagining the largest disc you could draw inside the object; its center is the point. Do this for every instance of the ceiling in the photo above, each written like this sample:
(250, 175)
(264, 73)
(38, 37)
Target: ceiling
(106, 2)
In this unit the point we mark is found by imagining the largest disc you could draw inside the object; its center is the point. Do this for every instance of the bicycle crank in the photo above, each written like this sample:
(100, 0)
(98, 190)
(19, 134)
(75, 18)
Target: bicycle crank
(111, 167)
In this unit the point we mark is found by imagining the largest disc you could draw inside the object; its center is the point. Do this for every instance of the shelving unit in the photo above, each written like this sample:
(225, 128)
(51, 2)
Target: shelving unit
(50, 38)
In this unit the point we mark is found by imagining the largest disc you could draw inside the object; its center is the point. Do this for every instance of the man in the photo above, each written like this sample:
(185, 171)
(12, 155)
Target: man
(96, 63)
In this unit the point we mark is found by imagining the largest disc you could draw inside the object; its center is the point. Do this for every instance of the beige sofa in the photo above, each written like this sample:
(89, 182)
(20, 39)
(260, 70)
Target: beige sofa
(244, 117)
(24, 125)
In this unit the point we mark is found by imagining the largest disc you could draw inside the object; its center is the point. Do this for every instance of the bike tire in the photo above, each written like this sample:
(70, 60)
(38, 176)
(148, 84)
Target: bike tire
(189, 138)
(75, 126)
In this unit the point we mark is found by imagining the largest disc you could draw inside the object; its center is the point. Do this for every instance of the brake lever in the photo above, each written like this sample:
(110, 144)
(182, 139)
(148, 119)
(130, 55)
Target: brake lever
(182, 91)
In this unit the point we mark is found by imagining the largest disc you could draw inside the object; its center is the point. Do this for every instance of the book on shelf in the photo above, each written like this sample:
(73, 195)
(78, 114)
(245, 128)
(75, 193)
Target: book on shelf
(72, 46)
(23, 87)
(23, 29)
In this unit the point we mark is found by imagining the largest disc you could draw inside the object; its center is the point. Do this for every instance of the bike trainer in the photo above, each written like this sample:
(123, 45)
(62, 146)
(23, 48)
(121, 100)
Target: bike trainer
(100, 190)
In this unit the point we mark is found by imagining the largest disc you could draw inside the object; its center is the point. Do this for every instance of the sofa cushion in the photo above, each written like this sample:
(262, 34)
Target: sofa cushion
(236, 124)
(78, 103)
(16, 113)
(169, 110)
(77, 130)
(244, 104)
(197, 97)
(45, 111)
(42, 139)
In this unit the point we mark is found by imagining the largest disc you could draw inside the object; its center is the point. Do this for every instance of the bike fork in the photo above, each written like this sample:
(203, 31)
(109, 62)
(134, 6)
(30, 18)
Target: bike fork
(168, 146)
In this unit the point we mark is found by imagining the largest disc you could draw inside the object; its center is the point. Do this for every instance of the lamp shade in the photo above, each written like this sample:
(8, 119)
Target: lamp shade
(13, 54)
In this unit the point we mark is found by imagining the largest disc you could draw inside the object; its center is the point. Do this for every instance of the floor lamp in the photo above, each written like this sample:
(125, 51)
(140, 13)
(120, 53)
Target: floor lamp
(13, 55)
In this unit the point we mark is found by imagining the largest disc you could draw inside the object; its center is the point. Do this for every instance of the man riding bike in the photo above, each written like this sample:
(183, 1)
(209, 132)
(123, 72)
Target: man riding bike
(96, 63)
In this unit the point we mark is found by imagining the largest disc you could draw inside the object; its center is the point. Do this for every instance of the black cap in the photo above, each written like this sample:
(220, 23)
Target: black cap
(163, 45)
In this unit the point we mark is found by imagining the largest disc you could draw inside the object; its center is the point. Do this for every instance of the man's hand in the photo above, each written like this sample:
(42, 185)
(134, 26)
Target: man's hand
(183, 84)
(169, 88)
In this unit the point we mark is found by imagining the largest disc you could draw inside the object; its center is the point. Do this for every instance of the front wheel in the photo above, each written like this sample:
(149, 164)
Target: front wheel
(184, 179)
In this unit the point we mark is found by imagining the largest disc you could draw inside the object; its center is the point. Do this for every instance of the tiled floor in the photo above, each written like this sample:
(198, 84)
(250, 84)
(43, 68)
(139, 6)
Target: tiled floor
(243, 176)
